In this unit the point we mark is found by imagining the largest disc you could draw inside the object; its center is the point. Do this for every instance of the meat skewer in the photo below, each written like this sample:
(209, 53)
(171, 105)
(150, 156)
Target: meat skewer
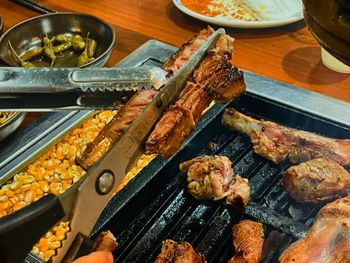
(316, 180)
(182, 252)
(328, 240)
(215, 78)
(212, 178)
(127, 114)
(248, 240)
(276, 142)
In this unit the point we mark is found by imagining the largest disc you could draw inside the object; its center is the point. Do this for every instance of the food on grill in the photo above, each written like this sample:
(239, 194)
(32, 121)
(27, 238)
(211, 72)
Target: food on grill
(182, 252)
(208, 177)
(316, 180)
(215, 78)
(248, 240)
(111, 132)
(239, 192)
(180, 57)
(105, 241)
(212, 178)
(5, 116)
(138, 102)
(276, 142)
(328, 240)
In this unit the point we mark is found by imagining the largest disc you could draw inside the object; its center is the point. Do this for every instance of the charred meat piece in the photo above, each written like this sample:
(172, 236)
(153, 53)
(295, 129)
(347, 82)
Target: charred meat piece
(105, 241)
(216, 79)
(276, 142)
(208, 177)
(212, 178)
(178, 122)
(328, 240)
(111, 132)
(182, 252)
(178, 59)
(316, 180)
(248, 240)
(137, 103)
(239, 192)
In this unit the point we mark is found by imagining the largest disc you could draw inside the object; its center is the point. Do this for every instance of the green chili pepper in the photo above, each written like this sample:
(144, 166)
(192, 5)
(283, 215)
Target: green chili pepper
(91, 44)
(28, 55)
(25, 64)
(63, 38)
(48, 50)
(84, 57)
(78, 42)
(62, 47)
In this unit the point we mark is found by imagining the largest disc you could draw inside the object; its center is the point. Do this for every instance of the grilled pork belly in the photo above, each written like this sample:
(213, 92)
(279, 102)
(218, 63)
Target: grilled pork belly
(182, 252)
(316, 180)
(212, 178)
(111, 132)
(248, 240)
(276, 142)
(216, 79)
(328, 240)
(180, 57)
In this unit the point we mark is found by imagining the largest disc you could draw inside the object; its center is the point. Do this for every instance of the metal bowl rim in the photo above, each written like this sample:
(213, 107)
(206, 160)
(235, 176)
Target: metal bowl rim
(67, 13)
(12, 119)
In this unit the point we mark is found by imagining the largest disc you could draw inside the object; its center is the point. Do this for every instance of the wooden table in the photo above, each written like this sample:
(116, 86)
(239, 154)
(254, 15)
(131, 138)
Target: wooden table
(288, 54)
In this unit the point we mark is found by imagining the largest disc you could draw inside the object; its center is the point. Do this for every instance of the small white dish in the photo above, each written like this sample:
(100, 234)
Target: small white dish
(271, 13)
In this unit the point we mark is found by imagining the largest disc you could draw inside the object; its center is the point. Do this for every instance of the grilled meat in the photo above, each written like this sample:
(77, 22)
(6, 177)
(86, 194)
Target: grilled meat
(180, 57)
(137, 103)
(212, 178)
(316, 180)
(182, 252)
(248, 240)
(105, 241)
(276, 142)
(216, 79)
(209, 177)
(239, 192)
(328, 240)
(111, 132)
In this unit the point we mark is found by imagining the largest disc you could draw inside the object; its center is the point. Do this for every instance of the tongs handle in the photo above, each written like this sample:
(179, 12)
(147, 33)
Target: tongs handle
(20, 231)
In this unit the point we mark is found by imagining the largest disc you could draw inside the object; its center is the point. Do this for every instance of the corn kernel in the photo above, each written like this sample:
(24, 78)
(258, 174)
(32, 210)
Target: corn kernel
(48, 254)
(18, 205)
(4, 205)
(2, 213)
(4, 198)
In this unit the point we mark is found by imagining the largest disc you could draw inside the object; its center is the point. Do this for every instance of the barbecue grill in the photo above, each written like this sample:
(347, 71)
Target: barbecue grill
(155, 205)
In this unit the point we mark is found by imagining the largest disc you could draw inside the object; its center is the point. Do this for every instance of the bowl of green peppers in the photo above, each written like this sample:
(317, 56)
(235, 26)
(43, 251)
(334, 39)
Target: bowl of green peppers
(58, 40)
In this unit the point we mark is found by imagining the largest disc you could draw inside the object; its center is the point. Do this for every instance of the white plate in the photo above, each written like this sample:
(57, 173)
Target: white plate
(280, 12)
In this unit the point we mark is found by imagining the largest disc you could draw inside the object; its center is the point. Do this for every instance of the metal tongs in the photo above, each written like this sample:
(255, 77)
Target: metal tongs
(52, 89)
(83, 203)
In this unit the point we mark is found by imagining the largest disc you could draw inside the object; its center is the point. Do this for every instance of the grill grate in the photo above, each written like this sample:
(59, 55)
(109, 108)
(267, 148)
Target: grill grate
(156, 206)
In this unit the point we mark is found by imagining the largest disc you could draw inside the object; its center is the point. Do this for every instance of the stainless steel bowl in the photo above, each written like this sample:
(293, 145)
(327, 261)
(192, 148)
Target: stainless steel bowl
(30, 32)
(11, 125)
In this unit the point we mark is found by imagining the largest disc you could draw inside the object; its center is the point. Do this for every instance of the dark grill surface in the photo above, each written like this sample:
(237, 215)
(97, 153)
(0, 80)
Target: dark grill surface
(156, 205)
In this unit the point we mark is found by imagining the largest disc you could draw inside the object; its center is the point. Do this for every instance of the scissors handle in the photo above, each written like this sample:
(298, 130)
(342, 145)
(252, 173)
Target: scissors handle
(20, 230)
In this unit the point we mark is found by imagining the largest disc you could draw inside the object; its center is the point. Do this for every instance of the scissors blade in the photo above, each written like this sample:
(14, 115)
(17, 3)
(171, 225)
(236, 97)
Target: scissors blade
(111, 169)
